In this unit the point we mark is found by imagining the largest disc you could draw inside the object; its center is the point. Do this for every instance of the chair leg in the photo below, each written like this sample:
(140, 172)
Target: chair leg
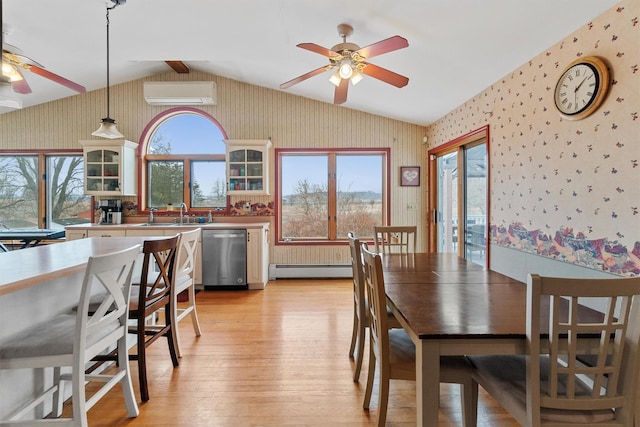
(78, 397)
(175, 333)
(469, 403)
(360, 349)
(142, 363)
(194, 313)
(370, 377)
(58, 395)
(125, 382)
(171, 336)
(354, 332)
(383, 398)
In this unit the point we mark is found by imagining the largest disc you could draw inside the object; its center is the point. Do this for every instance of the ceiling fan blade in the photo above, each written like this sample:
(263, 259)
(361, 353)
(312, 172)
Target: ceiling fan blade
(13, 54)
(383, 46)
(319, 49)
(20, 86)
(340, 95)
(385, 75)
(304, 77)
(56, 78)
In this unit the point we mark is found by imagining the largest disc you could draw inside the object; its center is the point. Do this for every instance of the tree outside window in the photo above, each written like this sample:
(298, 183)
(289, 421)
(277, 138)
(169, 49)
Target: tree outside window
(25, 179)
(185, 162)
(326, 194)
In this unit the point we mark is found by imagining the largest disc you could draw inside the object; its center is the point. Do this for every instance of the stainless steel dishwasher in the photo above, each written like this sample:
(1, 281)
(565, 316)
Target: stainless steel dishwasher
(224, 259)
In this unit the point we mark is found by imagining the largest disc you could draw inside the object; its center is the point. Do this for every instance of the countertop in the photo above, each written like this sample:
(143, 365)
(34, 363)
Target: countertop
(29, 267)
(170, 225)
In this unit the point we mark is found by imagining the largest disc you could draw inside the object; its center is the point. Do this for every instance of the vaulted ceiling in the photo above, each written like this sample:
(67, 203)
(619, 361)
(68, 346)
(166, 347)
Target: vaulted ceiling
(456, 48)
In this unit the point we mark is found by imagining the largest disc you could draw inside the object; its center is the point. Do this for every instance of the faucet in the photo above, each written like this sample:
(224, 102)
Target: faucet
(183, 205)
(151, 211)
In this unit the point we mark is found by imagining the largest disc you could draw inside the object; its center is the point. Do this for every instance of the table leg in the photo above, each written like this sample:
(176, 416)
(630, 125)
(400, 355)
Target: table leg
(427, 383)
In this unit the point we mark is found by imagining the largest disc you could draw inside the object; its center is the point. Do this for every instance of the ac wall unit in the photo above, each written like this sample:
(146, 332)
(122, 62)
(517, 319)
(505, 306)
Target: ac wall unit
(180, 93)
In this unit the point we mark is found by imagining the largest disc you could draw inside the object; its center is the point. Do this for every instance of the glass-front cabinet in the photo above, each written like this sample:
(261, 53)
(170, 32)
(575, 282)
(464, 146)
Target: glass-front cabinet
(248, 166)
(110, 168)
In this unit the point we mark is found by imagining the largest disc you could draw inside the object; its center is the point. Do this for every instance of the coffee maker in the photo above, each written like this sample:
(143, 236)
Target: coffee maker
(110, 211)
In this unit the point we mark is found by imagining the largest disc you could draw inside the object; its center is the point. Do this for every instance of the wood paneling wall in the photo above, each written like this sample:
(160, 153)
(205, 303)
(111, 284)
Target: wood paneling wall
(245, 112)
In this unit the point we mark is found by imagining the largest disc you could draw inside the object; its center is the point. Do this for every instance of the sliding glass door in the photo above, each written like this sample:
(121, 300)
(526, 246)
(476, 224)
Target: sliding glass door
(458, 199)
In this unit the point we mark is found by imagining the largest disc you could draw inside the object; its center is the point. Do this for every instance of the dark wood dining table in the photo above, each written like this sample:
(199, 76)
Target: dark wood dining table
(450, 306)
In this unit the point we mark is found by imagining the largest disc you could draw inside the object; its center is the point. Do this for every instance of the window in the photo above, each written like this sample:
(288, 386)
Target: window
(324, 194)
(184, 161)
(42, 190)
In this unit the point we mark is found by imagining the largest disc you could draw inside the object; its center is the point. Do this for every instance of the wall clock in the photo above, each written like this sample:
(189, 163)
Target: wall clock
(581, 88)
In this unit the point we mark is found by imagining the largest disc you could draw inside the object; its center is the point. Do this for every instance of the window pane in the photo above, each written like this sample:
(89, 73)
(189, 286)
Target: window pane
(19, 192)
(475, 207)
(359, 194)
(166, 184)
(66, 202)
(208, 184)
(304, 196)
(187, 134)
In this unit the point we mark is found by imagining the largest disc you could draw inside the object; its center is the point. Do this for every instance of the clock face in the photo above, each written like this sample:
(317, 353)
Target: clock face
(577, 88)
(581, 88)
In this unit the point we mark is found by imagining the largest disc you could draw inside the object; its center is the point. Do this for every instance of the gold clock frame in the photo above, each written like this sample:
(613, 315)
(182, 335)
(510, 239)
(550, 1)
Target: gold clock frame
(602, 72)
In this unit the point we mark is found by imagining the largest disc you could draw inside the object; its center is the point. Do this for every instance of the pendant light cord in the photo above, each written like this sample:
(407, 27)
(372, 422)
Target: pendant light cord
(108, 97)
(116, 3)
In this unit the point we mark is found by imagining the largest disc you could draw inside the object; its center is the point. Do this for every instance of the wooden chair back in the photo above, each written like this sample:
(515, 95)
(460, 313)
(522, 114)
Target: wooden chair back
(395, 239)
(158, 274)
(612, 381)
(187, 256)
(377, 306)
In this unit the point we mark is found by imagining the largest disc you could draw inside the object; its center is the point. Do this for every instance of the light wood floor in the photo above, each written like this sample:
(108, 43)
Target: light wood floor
(277, 357)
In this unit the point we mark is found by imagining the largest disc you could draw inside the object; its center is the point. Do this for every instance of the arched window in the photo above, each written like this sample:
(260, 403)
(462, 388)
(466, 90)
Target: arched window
(183, 160)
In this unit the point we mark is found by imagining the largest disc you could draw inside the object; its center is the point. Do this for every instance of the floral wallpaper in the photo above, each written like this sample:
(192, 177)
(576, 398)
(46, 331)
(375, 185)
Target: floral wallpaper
(568, 190)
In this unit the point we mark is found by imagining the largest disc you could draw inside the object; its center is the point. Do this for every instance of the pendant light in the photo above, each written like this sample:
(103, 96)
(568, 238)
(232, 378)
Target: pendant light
(107, 127)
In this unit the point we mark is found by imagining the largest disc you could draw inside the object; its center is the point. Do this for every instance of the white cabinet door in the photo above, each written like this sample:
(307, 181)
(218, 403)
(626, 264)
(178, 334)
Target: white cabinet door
(257, 258)
(75, 234)
(106, 233)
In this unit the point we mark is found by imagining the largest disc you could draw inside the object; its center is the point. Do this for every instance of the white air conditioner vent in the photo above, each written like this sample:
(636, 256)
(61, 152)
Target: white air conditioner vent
(180, 93)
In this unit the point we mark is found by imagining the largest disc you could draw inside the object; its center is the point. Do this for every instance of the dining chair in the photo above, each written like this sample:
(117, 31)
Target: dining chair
(360, 315)
(395, 354)
(549, 385)
(71, 340)
(151, 299)
(395, 238)
(185, 281)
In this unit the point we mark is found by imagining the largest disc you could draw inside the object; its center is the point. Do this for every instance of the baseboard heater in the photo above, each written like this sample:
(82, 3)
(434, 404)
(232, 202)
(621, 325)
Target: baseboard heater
(309, 271)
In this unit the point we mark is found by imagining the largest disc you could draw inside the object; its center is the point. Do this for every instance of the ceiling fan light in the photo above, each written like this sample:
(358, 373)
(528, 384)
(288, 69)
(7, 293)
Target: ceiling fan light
(335, 78)
(8, 97)
(356, 77)
(10, 72)
(346, 71)
(108, 129)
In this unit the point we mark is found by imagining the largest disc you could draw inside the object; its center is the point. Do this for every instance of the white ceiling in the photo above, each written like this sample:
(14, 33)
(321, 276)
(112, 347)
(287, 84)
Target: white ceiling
(456, 49)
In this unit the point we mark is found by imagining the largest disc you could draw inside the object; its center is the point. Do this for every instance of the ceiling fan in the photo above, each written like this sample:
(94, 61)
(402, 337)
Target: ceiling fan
(349, 60)
(14, 61)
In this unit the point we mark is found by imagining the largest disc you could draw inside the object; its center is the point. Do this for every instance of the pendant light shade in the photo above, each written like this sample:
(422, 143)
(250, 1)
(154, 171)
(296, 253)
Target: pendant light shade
(107, 127)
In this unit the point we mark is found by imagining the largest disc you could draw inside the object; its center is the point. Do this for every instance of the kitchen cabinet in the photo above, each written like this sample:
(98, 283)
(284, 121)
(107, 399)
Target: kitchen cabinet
(171, 231)
(257, 243)
(106, 233)
(75, 234)
(110, 168)
(248, 167)
(257, 257)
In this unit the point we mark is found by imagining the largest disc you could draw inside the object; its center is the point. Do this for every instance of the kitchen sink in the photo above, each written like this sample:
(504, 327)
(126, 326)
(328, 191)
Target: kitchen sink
(159, 224)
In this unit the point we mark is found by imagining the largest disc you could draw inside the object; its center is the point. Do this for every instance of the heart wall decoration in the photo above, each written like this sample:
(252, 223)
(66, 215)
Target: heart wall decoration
(410, 176)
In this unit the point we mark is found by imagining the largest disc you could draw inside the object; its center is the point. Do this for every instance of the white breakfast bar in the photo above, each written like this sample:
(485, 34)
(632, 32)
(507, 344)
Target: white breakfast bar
(36, 284)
